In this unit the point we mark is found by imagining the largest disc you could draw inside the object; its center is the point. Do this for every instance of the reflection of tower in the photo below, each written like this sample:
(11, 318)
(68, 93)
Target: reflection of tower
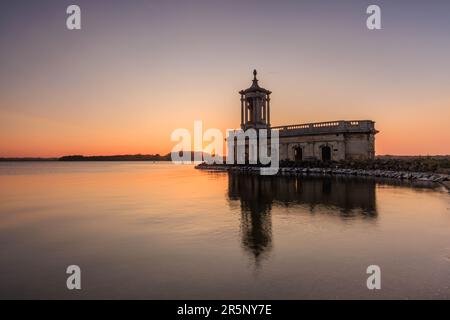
(256, 205)
(345, 196)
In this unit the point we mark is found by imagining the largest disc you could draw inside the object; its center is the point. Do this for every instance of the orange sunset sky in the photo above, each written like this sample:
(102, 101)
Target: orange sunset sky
(138, 70)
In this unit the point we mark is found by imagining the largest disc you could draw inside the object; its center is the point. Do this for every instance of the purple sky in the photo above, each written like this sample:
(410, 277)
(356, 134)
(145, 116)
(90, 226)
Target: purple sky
(140, 69)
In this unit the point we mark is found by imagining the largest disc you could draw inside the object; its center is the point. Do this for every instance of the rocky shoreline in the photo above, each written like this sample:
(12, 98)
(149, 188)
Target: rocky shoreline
(443, 179)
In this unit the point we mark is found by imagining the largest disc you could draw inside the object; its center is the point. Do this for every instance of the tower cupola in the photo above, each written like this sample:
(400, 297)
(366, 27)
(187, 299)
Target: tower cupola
(255, 106)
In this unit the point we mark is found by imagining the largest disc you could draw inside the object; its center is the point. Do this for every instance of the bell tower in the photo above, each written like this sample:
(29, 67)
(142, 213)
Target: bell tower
(255, 106)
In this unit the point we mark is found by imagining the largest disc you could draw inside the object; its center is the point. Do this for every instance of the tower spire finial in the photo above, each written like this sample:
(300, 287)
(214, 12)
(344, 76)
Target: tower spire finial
(254, 75)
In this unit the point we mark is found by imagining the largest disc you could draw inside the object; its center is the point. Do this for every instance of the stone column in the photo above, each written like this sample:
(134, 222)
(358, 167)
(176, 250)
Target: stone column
(242, 111)
(256, 110)
(246, 112)
(268, 110)
(264, 110)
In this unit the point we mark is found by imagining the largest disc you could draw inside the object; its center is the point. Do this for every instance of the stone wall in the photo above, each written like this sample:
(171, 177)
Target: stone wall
(344, 146)
(359, 146)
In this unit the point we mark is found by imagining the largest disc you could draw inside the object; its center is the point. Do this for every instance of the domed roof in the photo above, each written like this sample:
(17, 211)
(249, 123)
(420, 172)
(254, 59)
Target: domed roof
(255, 87)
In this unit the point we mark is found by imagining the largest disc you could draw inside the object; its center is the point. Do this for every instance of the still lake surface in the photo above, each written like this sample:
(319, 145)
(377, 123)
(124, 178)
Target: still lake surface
(161, 231)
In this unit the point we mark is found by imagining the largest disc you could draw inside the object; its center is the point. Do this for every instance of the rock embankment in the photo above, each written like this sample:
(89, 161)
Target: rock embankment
(442, 178)
(446, 184)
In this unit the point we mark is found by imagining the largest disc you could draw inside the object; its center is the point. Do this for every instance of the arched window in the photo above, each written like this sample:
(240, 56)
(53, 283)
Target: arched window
(251, 111)
(326, 153)
(298, 154)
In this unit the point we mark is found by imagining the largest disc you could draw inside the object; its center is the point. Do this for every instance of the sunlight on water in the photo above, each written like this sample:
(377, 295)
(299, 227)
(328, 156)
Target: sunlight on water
(156, 230)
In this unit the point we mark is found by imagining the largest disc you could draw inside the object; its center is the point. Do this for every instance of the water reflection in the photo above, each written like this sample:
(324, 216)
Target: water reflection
(146, 230)
(349, 198)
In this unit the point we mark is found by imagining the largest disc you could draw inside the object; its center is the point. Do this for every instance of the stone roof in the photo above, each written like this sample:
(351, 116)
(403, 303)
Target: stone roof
(255, 87)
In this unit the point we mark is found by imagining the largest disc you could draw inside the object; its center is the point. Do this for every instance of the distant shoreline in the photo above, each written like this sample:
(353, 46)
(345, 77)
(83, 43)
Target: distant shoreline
(87, 158)
(125, 157)
(168, 157)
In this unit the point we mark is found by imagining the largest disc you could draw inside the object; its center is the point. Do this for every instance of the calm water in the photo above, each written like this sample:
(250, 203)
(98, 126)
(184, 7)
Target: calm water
(143, 230)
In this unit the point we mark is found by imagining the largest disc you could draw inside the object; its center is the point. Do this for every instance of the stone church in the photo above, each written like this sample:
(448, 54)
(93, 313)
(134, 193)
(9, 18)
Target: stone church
(333, 140)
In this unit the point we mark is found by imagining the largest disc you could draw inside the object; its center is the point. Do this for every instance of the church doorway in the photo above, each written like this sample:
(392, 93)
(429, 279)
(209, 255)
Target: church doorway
(298, 154)
(326, 153)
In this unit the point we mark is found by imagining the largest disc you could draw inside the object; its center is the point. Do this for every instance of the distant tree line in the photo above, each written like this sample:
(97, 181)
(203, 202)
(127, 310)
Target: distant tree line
(125, 157)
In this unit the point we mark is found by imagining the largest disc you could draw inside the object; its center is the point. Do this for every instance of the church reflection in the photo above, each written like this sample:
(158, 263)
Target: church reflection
(257, 195)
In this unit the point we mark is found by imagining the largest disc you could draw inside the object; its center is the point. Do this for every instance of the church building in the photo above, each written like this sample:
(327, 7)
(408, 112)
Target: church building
(333, 140)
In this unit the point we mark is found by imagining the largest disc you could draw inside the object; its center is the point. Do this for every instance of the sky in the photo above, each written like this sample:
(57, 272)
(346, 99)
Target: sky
(137, 70)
